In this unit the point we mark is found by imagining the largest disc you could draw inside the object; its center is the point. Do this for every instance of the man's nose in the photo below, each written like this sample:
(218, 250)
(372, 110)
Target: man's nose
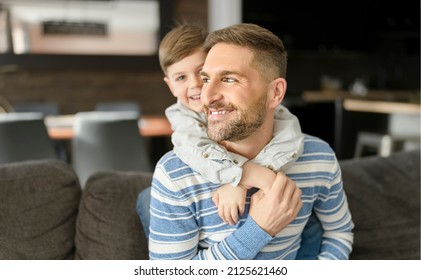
(210, 93)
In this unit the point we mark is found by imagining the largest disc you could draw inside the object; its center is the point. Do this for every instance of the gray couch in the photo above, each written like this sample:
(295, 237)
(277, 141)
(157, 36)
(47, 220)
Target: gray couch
(45, 215)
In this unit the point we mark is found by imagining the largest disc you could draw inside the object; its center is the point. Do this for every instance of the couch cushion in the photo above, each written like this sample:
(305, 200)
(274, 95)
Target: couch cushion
(38, 207)
(384, 199)
(108, 226)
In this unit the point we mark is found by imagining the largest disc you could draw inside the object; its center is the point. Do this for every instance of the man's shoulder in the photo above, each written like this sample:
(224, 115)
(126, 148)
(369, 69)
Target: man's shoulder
(175, 177)
(318, 156)
(170, 162)
(313, 144)
(172, 167)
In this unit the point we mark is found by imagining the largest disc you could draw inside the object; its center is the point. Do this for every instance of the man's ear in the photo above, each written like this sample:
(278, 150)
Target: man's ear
(277, 89)
(168, 82)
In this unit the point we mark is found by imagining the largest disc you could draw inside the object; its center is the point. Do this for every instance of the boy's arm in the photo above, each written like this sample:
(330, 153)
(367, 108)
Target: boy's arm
(257, 176)
(231, 200)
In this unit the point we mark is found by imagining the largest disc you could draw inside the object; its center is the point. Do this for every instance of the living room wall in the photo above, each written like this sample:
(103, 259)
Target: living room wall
(80, 89)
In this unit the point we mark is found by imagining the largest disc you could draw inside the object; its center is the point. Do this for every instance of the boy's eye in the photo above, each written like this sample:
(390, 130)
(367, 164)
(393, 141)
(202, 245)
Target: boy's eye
(180, 78)
(205, 80)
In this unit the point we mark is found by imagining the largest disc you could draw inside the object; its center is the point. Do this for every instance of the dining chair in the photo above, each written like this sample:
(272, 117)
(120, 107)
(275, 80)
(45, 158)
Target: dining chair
(105, 141)
(118, 106)
(24, 136)
(403, 133)
(45, 107)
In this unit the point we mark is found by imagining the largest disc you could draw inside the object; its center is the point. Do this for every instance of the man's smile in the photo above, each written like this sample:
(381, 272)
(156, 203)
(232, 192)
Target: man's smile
(218, 113)
(221, 112)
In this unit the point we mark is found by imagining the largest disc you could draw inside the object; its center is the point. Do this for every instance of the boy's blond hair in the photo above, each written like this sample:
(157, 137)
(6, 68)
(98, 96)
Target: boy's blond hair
(179, 43)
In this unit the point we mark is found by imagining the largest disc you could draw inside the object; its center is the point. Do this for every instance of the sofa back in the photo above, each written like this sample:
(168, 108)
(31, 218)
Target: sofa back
(107, 225)
(45, 215)
(41, 217)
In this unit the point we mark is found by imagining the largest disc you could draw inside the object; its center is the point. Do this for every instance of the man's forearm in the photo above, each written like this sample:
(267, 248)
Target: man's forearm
(243, 244)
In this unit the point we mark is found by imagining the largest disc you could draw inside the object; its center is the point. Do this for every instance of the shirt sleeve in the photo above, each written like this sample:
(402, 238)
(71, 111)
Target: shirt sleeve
(333, 212)
(193, 146)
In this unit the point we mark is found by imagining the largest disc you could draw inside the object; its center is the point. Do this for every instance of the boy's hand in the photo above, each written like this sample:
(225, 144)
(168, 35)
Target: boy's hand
(230, 201)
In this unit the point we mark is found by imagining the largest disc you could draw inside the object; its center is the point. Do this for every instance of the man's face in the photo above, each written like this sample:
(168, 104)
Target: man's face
(234, 94)
(184, 80)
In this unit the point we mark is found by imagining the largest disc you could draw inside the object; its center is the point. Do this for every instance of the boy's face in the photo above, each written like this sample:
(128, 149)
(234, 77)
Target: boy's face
(184, 80)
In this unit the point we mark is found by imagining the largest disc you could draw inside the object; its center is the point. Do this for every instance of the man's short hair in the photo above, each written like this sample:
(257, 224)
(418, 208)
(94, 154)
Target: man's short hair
(269, 51)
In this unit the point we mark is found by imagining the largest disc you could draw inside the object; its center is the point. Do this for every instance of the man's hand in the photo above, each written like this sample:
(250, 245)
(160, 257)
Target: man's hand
(277, 208)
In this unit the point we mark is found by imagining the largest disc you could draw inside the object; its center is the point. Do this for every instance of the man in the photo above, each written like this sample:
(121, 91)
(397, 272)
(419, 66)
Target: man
(244, 82)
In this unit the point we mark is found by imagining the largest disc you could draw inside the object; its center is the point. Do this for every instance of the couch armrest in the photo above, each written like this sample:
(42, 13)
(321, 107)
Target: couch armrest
(384, 199)
(38, 207)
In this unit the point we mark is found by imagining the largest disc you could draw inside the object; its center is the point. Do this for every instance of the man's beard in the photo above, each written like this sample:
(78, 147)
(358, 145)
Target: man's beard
(245, 123)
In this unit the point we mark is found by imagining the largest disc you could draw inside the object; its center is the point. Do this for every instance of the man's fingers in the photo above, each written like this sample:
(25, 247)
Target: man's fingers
(279, 185)
(241, 209)
(289, 190)
(299, 203)
(295, 205)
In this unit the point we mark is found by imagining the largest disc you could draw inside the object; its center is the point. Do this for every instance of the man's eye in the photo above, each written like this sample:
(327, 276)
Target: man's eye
(228, 80)
(205, 80)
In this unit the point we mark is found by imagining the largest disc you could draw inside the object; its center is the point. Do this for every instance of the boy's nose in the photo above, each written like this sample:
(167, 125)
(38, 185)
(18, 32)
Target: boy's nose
(196, 82)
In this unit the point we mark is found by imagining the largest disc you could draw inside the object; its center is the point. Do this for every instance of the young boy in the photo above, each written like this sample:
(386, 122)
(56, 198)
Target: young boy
(181, 58)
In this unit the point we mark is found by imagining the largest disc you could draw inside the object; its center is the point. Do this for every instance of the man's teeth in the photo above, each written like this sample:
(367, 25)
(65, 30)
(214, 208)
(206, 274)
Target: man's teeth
(219, 112)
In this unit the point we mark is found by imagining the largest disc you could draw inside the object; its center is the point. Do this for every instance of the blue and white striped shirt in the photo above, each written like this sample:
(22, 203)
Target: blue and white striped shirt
(185, 222)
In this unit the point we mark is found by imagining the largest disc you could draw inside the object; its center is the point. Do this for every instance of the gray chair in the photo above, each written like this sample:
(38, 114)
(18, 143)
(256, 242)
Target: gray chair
(24, 136)
(105, 141)
(118, 106)
(46, 108)
(403, 133)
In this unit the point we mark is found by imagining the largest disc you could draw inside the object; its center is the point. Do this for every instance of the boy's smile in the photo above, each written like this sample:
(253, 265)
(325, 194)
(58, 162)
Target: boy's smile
(184, 80)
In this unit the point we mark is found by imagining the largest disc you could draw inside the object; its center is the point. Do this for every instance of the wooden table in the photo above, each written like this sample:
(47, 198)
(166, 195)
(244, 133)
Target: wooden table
(61, 127)
(375, 101)
(385, 107)
(375, 95)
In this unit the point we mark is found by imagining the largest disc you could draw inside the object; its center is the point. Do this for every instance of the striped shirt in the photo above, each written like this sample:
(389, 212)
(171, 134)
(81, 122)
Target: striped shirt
(185, 223)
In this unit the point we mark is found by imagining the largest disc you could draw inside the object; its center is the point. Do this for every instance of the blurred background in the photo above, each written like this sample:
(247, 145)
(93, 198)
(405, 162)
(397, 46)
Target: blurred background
(79, 53)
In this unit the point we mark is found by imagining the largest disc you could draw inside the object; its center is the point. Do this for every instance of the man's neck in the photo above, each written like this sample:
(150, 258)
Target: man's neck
(251, 146)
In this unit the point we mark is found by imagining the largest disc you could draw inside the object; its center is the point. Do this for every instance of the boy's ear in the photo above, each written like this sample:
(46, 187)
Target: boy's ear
(277, 89)
(168, 82)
